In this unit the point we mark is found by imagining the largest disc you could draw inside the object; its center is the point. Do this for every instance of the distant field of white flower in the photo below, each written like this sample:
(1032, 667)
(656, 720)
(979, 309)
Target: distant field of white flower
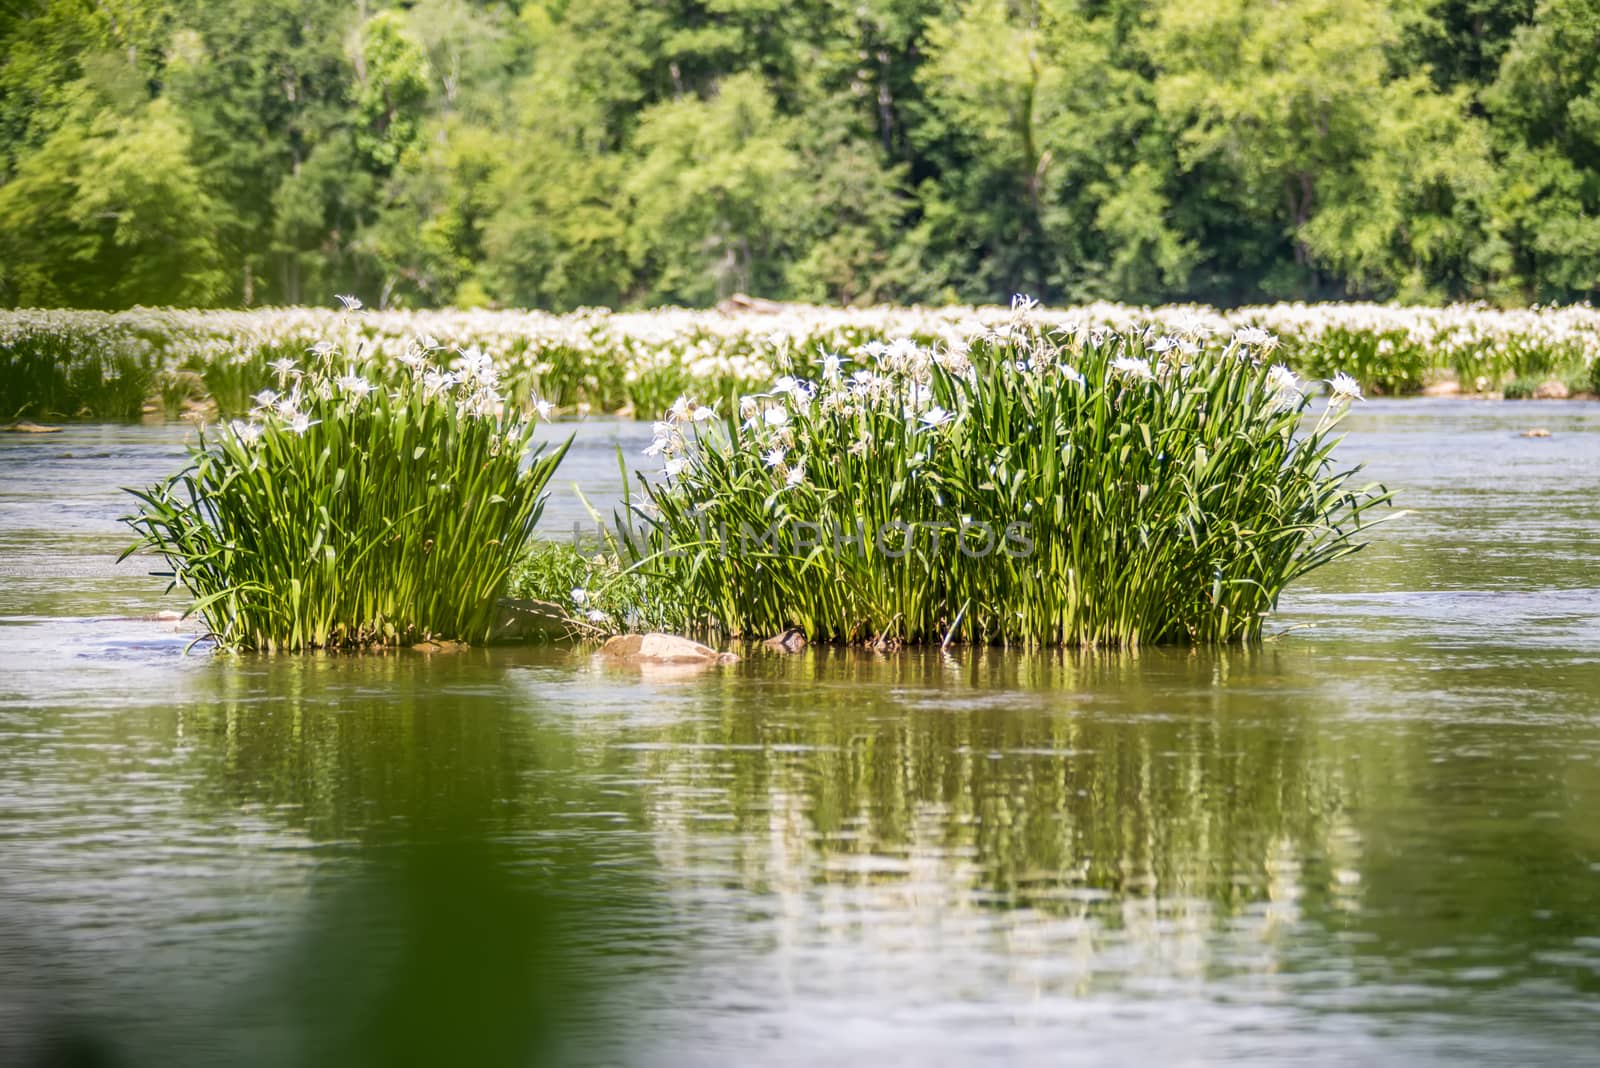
(594, 359)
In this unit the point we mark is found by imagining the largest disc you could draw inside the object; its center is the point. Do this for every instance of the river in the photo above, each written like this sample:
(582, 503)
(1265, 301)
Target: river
(1373, 839)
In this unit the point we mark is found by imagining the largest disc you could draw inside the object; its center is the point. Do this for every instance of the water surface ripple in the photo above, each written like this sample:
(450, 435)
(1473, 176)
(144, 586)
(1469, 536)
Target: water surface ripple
(1370, 840)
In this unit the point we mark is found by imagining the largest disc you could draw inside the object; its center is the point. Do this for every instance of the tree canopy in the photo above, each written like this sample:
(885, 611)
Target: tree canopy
(563, 153)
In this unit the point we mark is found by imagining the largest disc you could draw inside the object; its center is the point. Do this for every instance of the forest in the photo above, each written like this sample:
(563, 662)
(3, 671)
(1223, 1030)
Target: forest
(632, 153)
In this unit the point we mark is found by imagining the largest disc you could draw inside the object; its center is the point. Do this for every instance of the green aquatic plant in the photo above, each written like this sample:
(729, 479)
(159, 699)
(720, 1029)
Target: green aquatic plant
(1039, 487)
(591, 587)
(105, 366)
(349, 511)
(67, 364)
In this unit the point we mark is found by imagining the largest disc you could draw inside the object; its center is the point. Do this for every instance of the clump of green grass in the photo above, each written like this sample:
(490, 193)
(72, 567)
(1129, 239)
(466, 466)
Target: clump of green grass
(590, 587)
(1520, 388)
(345, 513)
(67, 364)
(1038, 488)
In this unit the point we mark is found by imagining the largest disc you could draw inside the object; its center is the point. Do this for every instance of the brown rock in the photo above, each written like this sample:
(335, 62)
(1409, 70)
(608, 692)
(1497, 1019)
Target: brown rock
(1536, 432)
(31, 428)
(661, 649)
(1444, 387)
(1551, 390)
(792, 640)
(740, 302)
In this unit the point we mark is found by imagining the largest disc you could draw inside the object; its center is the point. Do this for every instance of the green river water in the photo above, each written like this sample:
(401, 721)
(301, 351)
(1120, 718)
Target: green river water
(1372, 840)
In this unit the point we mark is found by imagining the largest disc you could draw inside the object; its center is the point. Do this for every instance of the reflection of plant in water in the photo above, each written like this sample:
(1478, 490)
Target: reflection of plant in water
(1132, 796)
(1171, 814)
(1035, 791)
(455, 916)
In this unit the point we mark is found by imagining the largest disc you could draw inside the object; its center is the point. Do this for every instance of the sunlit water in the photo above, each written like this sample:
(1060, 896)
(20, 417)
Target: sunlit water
(1375, 839)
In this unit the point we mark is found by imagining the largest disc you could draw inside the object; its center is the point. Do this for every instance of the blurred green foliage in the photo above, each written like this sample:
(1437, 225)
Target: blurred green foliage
(562, 153)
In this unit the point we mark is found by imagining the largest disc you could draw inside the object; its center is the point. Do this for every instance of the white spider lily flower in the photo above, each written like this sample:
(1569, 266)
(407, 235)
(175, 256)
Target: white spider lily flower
(772, 457)
(354, 385)
(283, 367)
(704, 412)
(1072, 374)
(302, 422)
(1190, 325)
(247, 433)
(902, 350)
(266, 398)
(322, 349)
(935, 416)
(676, 466)
(1134, 368)
(1255, 337)
(831, 365)
(544, 408)
(350, 303)
(479, 365)
(785, 384)
(596, 616)
(657, 446)
(861, 446)
(679, 412)
(776, 416)
(1344, 388)
(796, 475)
(287, 407)
(1285, 386)
(579, 595)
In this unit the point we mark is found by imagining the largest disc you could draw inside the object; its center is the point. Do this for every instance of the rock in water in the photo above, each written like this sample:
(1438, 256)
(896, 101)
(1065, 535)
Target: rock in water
(30, 428)
(1554, 389)
(792, 640)
(661, 649)
(1536, 432)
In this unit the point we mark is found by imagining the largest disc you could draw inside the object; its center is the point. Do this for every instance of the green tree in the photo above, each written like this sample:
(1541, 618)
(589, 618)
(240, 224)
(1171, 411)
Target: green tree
(108, 212)
(712, 192)
(1296, 103)
(391, 91)
(1546, 110)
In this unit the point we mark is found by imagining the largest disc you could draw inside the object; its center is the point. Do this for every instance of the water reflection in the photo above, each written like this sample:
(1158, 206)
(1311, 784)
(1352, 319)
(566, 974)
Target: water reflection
(317, 860)
(1370, 841)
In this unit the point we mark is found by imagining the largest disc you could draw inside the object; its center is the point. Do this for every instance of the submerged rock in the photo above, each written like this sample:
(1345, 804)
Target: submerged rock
(792, 640)
(1443, 387)
(440, 647)
(661, 649)
(1536, 432)
(30, 428)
